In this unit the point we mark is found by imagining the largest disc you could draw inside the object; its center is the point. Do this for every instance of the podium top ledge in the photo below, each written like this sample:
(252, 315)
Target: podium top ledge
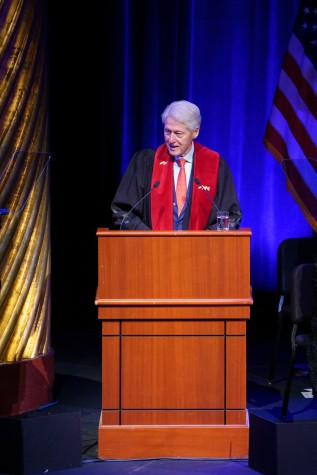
(134, 233)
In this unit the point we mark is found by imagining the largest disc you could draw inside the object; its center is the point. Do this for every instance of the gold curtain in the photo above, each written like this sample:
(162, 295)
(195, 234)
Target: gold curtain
(25, 268)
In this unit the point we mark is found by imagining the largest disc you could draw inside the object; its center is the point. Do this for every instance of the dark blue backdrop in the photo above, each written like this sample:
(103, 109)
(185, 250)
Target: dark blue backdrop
(226, 57)
(115, 67)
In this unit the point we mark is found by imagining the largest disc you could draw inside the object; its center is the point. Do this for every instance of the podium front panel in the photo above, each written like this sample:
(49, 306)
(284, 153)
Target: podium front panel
(190, 266)
(173, 307)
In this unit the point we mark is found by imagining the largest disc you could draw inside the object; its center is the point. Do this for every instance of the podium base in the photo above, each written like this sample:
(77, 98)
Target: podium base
(279, 448)
(203, 441)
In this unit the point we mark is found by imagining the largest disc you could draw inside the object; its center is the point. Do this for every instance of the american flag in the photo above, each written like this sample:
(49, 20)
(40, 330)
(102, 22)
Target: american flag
(291, 132)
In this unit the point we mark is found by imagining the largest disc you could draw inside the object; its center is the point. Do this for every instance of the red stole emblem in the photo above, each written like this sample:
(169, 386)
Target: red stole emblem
(205, 167)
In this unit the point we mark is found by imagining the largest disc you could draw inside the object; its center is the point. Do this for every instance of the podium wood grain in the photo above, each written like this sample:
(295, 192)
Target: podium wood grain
(173, 307)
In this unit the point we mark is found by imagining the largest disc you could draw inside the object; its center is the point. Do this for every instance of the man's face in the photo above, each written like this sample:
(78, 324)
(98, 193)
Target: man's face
(177, 137)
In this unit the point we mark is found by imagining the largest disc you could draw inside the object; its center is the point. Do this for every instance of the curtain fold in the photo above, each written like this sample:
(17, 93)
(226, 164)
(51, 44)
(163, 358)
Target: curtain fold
(25, 254)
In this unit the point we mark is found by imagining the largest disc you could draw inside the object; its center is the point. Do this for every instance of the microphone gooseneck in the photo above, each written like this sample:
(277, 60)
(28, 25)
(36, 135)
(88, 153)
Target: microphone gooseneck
(156, 184)
(198, 182)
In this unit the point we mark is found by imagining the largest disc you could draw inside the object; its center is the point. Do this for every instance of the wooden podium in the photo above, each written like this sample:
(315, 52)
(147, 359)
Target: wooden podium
(173, 307)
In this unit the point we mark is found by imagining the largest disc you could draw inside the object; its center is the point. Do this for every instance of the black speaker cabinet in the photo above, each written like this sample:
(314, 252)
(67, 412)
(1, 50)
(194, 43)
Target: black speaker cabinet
(40, 441)
(282, 448)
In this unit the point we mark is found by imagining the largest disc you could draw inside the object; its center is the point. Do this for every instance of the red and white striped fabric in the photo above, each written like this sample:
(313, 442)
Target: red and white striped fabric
(291, 132)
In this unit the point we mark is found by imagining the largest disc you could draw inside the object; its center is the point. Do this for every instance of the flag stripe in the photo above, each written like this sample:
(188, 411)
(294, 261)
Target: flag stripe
(293, 81)
(275, 143)
(291, 132)
(307, 197)
(308, 71)
(285, 144)
(296, 126)
(307, 169)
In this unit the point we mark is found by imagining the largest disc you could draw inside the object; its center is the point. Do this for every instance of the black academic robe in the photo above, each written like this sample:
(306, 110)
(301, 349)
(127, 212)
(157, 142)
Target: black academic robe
(136, 183)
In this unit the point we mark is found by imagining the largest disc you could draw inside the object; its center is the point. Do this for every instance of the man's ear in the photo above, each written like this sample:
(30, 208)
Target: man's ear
(196, 132)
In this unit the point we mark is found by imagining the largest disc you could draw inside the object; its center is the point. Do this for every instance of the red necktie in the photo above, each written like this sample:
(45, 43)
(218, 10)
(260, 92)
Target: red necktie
(181, 187)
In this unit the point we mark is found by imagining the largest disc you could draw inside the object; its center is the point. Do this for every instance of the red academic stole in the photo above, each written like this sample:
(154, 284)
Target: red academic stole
(206, 164)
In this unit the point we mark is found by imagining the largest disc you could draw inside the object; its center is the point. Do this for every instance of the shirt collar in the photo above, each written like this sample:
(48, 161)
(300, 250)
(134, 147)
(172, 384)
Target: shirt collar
(189, 156)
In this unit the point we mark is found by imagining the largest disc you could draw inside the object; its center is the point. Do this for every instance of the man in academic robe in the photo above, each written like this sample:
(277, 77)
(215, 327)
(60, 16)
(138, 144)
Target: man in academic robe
(146, 196)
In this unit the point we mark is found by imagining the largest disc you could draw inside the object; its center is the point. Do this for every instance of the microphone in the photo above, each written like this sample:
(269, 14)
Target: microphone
(156, 184)
(198, 182)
